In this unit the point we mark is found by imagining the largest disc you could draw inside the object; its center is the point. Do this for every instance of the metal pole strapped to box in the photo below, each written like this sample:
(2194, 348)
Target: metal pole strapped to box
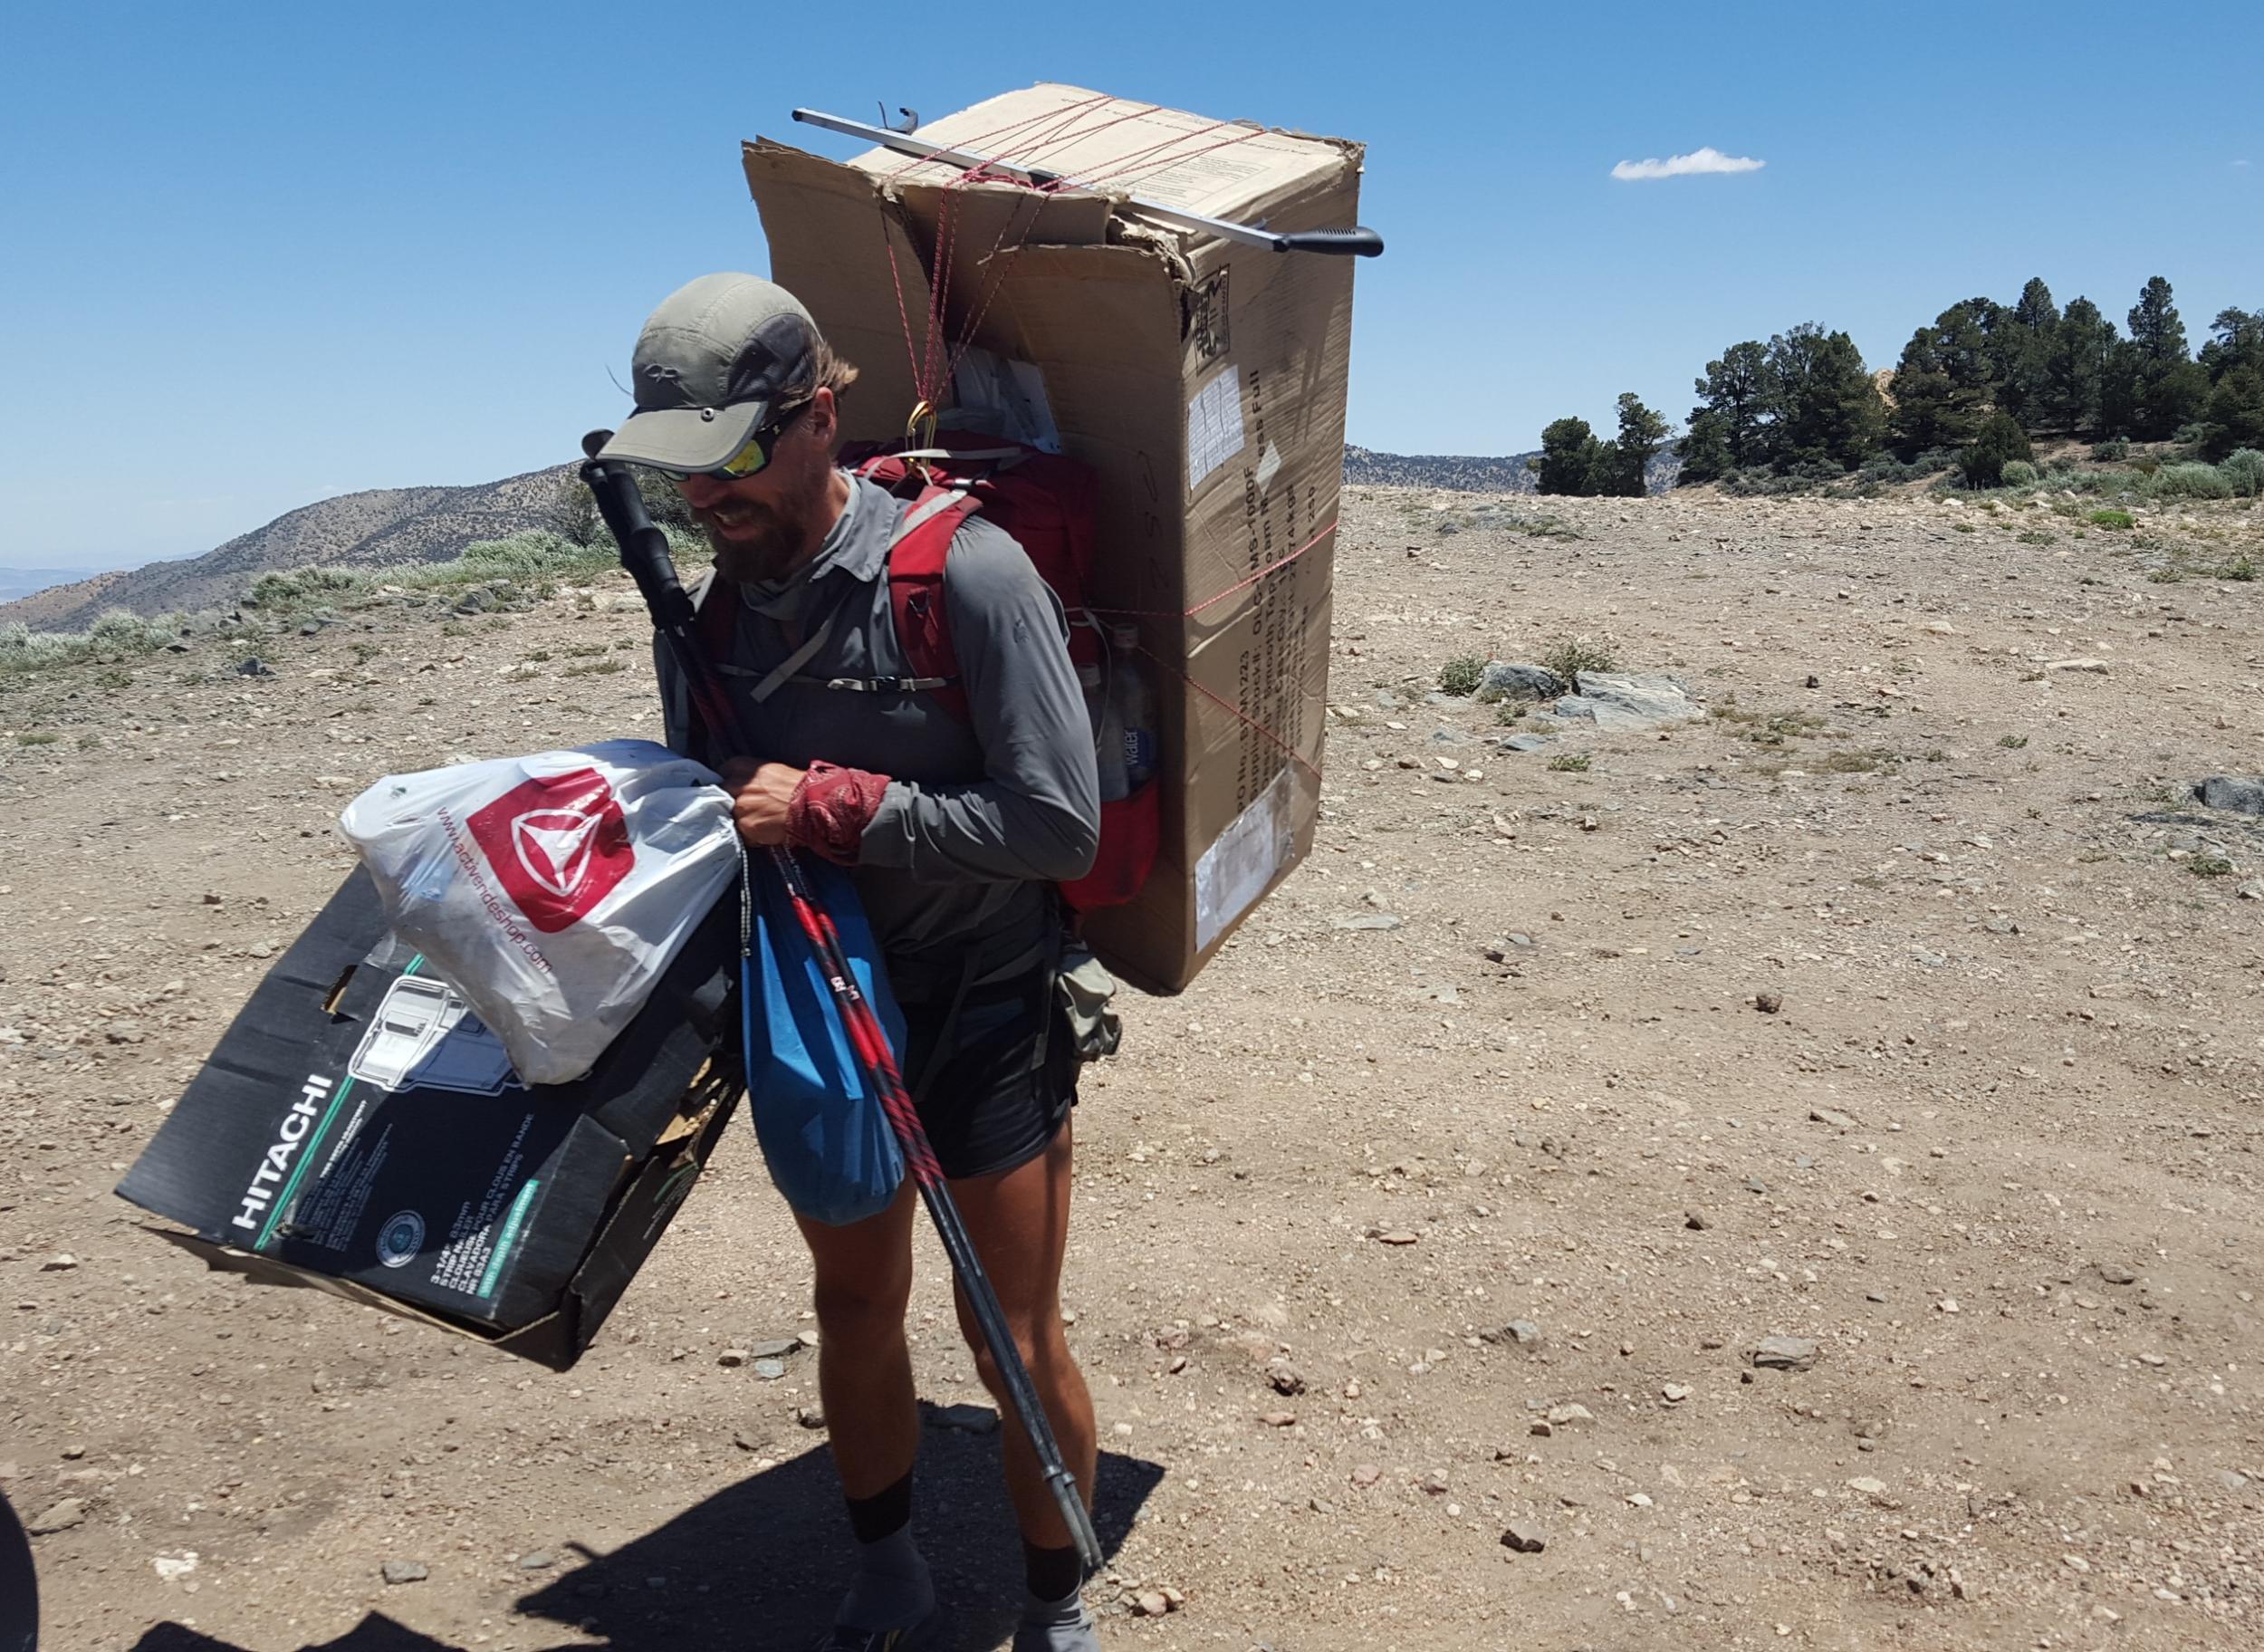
(1356, 243)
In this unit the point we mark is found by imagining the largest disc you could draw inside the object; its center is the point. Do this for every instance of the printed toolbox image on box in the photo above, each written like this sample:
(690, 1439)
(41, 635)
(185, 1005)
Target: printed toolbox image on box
(1201, 377)
(359, 1130)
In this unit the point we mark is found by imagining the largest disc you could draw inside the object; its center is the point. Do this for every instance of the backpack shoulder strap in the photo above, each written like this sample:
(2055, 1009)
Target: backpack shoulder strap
(916, 556)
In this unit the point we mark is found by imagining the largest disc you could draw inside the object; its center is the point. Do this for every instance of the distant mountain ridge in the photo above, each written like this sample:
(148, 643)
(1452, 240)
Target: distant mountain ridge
(23, 581)
(1467, 474)
(396, 526)
(379, 528)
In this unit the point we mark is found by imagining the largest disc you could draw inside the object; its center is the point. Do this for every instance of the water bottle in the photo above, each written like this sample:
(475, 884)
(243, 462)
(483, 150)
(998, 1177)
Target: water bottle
(1132, 699)
(1108, 734)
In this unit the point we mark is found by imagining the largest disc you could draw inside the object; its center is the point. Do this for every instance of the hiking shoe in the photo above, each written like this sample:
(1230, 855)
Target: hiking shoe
(925, 1636)
(1081, 1635)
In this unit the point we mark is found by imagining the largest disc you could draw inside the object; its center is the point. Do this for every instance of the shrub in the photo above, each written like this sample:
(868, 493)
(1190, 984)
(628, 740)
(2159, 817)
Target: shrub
(1574, 654)
(295, 587)
(2243, 471)
(2110, 519)
(1571, 762)
(1461, 676)
(1999, 442)
(2112, 451)
(2190, 482)
(2241, 569)
(2019, 472)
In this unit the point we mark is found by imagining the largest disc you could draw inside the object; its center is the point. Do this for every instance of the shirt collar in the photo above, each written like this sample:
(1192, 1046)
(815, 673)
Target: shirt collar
(857, 545)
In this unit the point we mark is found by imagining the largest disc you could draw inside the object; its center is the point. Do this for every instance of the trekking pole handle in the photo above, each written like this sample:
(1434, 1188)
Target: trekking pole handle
(645, 555)
(1350, 242)
(643, 547)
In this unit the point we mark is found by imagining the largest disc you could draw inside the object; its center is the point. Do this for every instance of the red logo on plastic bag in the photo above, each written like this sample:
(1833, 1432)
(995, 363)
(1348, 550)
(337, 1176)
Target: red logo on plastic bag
(558, 843)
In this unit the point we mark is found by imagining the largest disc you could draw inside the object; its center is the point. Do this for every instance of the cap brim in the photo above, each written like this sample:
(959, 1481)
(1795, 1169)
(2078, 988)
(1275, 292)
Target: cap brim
(686, 439)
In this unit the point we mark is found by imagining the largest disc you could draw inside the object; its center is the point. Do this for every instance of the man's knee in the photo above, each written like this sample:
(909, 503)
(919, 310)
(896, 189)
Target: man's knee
(1037, 1338)
(860, 1313)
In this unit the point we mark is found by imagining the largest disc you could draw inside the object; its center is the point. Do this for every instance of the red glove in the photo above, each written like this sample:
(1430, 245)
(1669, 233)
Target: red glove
(830, 809)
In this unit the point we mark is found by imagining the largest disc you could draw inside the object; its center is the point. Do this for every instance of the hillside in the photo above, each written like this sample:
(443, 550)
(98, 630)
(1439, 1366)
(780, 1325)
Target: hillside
(379, 528)
(390, 526)
(16, 583)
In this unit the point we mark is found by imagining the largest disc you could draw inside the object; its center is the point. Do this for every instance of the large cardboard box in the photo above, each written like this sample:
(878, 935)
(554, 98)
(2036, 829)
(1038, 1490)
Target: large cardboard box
(1202, 379)
(357, 1129)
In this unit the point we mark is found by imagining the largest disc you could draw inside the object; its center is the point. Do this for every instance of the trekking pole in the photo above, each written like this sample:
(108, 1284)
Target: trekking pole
(1356, 243)
(645, 554)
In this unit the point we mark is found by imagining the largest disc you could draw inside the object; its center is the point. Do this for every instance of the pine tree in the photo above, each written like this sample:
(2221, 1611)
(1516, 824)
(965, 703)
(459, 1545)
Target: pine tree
(1997, 443)
(2236, 339)
(2082, 347)
(1829, 411)
(2233, 415)
(1642, 433)
(1742, 393)
(2167, 389)
(1927, 414)
(2028, 334)
(1569, 456)
(1706, 449)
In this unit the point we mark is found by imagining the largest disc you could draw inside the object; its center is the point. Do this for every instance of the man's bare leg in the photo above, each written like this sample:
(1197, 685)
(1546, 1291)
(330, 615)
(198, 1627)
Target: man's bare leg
(1019, 1221)
(863, 1281)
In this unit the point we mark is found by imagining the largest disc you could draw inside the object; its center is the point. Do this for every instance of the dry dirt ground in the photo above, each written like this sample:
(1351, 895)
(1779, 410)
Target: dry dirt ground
(1498, 1052)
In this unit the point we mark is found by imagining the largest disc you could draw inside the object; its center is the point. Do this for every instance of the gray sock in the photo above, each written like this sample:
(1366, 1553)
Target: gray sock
(892, 1590)
(1056, 1625)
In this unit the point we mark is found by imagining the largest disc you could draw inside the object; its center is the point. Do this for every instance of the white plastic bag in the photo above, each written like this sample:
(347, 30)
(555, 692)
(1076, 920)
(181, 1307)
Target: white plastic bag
(553, 890)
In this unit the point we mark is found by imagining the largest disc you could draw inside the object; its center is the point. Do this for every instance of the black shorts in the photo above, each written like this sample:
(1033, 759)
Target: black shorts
(1002, 1091)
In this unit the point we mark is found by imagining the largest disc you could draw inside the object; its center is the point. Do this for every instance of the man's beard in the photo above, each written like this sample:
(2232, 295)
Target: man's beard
(756, 542)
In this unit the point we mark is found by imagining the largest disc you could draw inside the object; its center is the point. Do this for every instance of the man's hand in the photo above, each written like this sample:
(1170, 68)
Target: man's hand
(761, 794)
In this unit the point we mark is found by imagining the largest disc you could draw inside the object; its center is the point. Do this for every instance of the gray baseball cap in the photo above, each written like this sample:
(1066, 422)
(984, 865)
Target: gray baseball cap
(710, 369)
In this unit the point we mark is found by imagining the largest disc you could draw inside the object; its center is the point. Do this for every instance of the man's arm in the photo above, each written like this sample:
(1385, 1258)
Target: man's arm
(1036, 812)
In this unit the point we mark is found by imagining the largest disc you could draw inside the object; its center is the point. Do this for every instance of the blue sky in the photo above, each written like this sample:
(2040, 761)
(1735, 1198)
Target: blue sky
(252, 256)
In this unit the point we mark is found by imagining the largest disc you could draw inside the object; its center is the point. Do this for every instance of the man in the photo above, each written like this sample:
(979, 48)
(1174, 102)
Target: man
(955, 831)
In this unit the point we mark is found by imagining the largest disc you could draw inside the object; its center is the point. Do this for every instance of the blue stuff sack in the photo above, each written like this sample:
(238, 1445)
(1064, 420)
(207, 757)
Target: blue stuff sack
(827, 1143)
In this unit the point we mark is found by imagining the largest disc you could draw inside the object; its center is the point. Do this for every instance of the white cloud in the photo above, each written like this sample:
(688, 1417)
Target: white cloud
(1708, 159)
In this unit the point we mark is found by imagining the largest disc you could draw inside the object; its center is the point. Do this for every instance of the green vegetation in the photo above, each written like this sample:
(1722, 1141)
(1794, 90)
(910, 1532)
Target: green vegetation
(1569, 763)
(116, 635)
(37, 739)
(491, 574)
(1971, 388)
(1572, 461)
(1460, 676)
(2208, 866)
(1999, 442)
(1567, 658)
(2110, 519)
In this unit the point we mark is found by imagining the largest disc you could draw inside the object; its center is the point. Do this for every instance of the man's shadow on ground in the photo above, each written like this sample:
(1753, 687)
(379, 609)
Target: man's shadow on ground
(759, 1566)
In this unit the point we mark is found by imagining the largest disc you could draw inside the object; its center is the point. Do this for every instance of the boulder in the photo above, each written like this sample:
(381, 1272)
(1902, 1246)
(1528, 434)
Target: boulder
(1510, 680)
(2237, 792)
(1622, 702)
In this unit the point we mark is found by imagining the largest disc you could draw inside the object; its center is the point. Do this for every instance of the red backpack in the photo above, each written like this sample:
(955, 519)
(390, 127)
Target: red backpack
(1048, 503)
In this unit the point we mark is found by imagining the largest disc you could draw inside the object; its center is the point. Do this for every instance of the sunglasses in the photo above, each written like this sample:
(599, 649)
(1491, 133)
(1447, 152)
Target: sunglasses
(750, 459)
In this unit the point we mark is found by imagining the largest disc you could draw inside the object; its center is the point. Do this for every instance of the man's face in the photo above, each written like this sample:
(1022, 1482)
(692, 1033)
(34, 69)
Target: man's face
(764, 526)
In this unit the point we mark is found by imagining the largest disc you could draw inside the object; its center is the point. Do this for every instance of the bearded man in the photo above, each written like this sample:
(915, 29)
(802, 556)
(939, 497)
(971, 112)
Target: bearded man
(954, 831)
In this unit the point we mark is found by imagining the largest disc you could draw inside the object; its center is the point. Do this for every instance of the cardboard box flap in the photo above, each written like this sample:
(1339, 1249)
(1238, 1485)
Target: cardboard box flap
(831, 240)
(1222, 168)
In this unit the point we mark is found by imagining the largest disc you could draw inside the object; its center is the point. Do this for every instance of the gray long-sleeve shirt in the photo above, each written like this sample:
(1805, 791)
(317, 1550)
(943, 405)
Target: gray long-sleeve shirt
(980, 817)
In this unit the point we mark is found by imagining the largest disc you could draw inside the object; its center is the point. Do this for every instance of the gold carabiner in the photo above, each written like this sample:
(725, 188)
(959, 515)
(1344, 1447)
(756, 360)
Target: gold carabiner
(919, 432)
